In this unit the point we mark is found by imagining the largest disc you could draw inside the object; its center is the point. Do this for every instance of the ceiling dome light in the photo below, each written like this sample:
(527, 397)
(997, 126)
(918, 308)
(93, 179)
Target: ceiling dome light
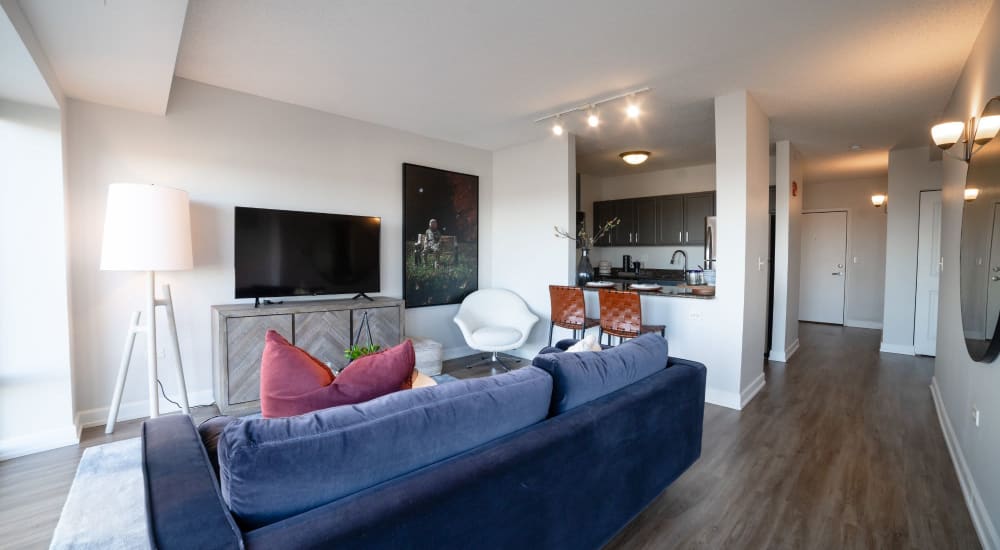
(947, 134)
(632, 111)
(634, 157)
(557, 128)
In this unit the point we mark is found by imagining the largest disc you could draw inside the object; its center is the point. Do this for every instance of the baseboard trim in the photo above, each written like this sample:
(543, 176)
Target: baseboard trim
(855, 323)
(973, 501)
(897, 348)
(752, 390)
(730, 400)
(37, 442)
(784, 356)
(132, 410)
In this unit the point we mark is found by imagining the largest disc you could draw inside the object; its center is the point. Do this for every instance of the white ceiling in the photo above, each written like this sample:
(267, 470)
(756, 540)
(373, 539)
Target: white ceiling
(116, 52)
(828, 73)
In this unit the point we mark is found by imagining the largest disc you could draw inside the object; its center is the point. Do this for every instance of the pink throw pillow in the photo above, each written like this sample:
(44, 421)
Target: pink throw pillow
(292, 382)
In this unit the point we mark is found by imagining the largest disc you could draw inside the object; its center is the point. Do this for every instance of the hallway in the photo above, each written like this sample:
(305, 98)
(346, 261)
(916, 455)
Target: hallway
(842, 449)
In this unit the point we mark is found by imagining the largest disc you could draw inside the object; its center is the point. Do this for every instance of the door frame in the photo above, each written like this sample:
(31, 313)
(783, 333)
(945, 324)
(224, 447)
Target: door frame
(847, 251)
(916, 268)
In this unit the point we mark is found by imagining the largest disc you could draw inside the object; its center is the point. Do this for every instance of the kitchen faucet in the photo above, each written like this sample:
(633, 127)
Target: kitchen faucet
(684, 254)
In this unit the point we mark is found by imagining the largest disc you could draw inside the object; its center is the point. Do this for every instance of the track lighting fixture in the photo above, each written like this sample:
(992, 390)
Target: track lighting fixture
(632, 111)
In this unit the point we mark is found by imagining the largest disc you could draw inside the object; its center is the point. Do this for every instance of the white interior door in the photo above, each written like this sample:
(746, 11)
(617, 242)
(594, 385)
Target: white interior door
(993, 288)
(824, 267)
(928, 274)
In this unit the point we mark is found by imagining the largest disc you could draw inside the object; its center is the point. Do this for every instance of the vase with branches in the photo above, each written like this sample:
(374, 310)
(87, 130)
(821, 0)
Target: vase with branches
(586, 241)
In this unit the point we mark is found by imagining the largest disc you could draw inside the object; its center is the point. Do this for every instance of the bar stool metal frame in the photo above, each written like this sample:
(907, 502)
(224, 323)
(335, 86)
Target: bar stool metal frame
(569, 310)
(621, 316)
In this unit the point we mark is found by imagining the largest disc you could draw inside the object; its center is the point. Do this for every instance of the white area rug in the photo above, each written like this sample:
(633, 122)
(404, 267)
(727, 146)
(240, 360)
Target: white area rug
(106, 506)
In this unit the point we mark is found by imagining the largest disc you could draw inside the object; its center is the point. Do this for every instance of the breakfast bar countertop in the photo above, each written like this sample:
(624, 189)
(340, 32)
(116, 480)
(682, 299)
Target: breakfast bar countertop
(670, 291)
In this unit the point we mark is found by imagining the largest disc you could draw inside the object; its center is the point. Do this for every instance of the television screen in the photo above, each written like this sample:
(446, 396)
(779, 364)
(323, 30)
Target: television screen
(284, 253)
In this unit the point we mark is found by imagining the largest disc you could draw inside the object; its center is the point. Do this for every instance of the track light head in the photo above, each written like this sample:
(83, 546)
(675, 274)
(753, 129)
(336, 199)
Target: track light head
(592, 119)
(632, 111)
(557, 127)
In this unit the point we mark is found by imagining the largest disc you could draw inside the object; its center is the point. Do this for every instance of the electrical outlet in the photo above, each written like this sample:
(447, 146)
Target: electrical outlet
(975, 415)
(855, 259)
(694, 316)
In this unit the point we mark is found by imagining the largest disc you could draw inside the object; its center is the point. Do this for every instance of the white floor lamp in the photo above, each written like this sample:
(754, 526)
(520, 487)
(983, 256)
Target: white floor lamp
(147, 228)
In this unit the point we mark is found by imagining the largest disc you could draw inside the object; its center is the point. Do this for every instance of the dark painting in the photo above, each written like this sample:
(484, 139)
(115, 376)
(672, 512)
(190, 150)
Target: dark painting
(440, 236)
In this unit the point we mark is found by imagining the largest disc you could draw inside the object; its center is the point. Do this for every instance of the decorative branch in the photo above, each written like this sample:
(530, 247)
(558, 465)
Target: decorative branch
(585, 239)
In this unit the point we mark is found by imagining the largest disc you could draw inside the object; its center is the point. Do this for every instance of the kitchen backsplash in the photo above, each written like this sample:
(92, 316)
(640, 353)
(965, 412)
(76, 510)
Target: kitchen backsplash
(653, 257)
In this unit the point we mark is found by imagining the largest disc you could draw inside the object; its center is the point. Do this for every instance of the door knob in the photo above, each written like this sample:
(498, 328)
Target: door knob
(996, 269)
(995, 278)
(840, 266)
(837, 273)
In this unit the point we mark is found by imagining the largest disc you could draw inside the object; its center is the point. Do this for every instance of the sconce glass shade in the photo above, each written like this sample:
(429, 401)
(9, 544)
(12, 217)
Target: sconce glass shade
(971, 193)
(947, 134)
(879, 200)
(987, 129)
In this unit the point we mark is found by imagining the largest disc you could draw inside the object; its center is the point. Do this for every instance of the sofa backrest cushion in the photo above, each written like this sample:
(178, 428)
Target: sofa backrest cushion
(271, 469)
(585, 376)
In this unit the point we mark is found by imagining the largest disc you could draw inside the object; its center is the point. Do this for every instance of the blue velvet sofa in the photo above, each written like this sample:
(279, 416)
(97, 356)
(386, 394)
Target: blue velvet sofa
(561, 454)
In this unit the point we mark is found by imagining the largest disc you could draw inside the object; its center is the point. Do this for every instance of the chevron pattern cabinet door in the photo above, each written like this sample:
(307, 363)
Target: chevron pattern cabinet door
(324, 335)
(384, 322)
(245, 337)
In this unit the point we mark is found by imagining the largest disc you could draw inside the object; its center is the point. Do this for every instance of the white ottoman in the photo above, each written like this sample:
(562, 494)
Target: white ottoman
(428, 354)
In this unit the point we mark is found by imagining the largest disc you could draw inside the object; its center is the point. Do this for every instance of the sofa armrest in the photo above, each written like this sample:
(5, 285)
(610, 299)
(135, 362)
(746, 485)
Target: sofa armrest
(184, 508)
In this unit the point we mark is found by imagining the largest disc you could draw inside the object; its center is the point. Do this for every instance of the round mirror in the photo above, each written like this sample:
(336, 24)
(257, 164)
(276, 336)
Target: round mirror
(980, 252)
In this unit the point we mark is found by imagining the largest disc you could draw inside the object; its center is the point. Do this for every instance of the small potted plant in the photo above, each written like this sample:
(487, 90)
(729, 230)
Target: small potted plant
(356, 351)
(586, 241)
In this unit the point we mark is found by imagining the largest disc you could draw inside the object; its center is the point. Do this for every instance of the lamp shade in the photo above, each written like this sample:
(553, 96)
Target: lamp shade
(146, 228)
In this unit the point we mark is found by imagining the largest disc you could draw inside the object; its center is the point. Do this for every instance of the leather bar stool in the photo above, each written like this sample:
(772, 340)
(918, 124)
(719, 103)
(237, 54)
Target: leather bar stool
(621, 316)
(569, 310)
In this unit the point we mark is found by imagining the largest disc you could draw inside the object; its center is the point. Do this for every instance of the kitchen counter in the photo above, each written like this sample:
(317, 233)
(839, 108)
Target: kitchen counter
(675, 290)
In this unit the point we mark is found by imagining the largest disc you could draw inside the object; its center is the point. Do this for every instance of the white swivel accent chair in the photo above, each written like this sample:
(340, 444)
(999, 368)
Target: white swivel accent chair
(495, 320)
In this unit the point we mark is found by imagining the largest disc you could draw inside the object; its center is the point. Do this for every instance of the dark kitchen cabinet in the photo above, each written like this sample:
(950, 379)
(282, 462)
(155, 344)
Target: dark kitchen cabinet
(603, 212)
(697, 207)
(670, 220)
(624, 234)
(645, 221)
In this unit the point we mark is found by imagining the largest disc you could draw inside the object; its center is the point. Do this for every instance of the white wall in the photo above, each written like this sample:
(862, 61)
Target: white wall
(36, 395)
(691, 179)
(959, 382)
(226, 149)
(866, 253)
(534, 189)
(787, 242)
(910, 172)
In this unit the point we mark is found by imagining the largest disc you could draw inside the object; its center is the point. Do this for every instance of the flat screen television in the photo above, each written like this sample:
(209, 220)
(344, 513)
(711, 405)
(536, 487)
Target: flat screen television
(285, 253)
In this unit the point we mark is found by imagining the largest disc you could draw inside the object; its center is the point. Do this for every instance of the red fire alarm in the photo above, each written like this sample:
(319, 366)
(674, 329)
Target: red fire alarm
(795, 189)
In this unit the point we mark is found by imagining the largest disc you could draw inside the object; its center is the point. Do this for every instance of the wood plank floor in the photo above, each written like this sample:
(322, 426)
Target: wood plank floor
(842, 449)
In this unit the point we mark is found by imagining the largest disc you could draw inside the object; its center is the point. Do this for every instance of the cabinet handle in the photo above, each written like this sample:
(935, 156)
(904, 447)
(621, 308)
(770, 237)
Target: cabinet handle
(686, 237)
(679, 239)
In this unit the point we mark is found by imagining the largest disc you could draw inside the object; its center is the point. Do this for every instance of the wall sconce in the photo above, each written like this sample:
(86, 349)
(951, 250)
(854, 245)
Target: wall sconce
(972, 135)
(971, 194)
(879, 200)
